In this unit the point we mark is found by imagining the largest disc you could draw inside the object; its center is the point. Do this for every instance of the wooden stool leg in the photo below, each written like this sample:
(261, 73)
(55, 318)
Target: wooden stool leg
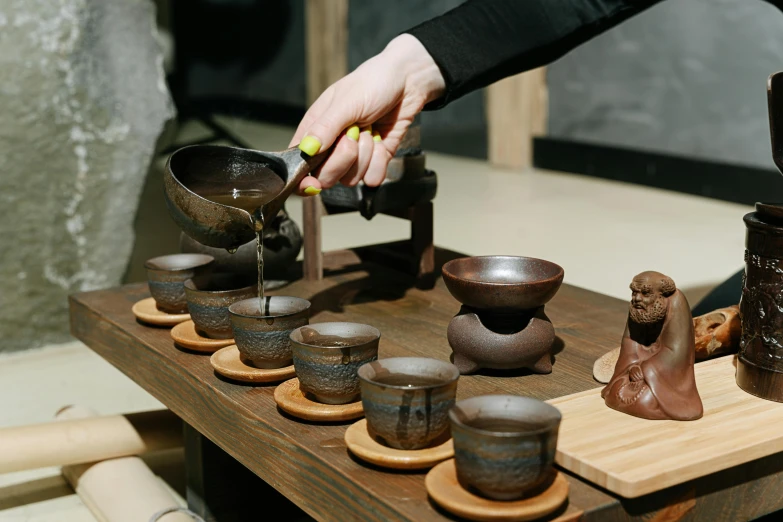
(220, 489)
(313, 257)
(422, 241)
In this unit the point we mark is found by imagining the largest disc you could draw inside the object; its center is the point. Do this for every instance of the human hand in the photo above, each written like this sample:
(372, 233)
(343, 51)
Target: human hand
(366, 114)
(635, 373)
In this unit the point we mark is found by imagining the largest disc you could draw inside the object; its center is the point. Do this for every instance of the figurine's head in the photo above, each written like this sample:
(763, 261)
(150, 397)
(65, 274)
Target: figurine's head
(649, 297)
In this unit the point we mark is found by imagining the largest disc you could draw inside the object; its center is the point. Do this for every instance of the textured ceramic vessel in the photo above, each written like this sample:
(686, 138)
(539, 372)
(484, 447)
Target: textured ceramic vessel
(327, 356)
(209, 298)
(166, 276)
(262, 331)
(760, 360)
(407, 399)
(504, 445)
(502, 323)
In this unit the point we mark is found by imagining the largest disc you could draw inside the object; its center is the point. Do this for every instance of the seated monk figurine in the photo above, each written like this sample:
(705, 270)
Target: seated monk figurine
(653, 378)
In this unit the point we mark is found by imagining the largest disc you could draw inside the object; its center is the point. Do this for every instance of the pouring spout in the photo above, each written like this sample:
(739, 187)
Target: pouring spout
(297, 166)
(775, 103)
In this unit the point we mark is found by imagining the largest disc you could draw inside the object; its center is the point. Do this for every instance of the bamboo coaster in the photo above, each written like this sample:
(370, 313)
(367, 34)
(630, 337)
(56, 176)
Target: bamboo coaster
(292, 400)
(147, 311)
(361, 444)
(228, 363)
(185, 335)
(444, 488)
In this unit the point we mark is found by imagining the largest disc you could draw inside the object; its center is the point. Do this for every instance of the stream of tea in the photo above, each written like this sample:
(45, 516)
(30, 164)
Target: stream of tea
(250, 201)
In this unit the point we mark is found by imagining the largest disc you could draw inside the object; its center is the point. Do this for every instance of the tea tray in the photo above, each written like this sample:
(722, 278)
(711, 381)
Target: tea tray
(632, 457)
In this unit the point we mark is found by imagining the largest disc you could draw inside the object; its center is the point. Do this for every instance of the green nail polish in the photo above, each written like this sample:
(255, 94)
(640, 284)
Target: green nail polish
(310, 145)
(353, 133)
(367, 129)
(312, 191)
(376, 137)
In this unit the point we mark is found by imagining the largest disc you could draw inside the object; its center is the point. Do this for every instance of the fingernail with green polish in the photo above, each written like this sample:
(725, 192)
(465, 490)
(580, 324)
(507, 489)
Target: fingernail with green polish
(376, 137)
(310, 145)
(353, 133)
(312, 191)
(367, 129)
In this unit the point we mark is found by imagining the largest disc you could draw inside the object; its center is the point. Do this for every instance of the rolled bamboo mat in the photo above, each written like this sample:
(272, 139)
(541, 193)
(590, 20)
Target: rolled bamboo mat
(120, 489)
(83, 440)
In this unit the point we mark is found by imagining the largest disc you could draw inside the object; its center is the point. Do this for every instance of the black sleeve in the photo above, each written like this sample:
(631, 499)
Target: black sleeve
(482, 41)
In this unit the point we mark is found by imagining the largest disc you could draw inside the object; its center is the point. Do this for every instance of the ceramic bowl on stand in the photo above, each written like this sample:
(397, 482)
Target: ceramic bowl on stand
(502, 324)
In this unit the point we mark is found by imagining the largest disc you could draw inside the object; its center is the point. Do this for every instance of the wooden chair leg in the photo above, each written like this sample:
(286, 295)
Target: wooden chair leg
(422, 241)
(313, 256)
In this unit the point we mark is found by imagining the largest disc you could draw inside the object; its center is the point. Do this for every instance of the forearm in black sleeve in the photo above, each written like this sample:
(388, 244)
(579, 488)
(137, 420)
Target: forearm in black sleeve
(482, 41)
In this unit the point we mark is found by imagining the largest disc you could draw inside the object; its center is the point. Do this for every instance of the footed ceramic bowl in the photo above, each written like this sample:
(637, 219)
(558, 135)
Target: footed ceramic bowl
(502, 283)
(406, 400)
(209, 298)
(502, 324)
(166, 276)
(262, 331)
(504, 445)
(327, 357)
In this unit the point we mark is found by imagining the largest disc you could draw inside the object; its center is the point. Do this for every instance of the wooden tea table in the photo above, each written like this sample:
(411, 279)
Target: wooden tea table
(235, 432)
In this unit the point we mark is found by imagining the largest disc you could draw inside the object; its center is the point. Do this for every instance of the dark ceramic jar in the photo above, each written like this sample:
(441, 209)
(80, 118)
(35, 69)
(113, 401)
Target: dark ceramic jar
(282, 244)
(760, 361)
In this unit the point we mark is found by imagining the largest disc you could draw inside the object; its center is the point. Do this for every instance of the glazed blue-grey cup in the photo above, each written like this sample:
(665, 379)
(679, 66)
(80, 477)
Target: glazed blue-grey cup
(166, 276)
(504, 445)
(327, 357)
(262, 333)
(209, 298)
(406, 400)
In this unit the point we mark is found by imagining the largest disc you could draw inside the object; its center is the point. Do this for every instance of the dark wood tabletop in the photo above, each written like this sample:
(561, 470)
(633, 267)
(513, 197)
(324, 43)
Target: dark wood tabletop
(309, 464)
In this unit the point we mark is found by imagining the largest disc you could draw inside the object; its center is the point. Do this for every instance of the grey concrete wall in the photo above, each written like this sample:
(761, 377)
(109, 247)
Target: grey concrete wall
(83, 102)
(687, 77)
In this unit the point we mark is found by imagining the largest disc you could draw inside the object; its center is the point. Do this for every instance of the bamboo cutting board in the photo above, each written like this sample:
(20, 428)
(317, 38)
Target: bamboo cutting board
(633, 457)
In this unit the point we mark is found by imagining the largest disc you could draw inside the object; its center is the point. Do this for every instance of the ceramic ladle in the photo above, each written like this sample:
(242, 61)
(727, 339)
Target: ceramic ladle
(218, 169)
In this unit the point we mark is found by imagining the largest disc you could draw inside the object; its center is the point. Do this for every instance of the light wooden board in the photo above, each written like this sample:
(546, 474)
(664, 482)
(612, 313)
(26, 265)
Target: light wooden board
(632, 457)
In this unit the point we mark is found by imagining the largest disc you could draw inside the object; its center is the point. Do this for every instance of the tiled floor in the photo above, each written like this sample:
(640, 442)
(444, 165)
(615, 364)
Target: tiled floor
(601, 232)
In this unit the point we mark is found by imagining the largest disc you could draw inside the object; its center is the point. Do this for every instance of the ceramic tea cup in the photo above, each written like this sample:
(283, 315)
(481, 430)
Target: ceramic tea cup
(262, 333)
(327, 357)
(406, 400)
(504, 445)
(166, 276)
(209, 298)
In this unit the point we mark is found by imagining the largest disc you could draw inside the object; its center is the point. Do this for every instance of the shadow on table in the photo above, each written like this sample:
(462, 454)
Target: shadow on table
(387, 279)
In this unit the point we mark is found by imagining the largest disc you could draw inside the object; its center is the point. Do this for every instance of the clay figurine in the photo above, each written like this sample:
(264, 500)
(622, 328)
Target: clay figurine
(716, 333)
(653, 378)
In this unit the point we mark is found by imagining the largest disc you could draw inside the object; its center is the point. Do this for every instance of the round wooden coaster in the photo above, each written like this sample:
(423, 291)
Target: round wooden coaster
(147, 311)
(185, 335)
(444, 488)
(292, 400)
(361, 444)
(228, 363)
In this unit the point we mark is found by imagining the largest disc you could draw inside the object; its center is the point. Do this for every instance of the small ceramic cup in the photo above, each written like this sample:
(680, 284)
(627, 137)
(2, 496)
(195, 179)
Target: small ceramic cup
(327, 357)
(262, 333)
(406, 400)
(504, 445)
(166, 276)
(209, 298)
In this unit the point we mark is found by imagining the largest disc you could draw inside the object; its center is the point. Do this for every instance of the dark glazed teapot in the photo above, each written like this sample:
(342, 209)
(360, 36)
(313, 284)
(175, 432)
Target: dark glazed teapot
(282, 244)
